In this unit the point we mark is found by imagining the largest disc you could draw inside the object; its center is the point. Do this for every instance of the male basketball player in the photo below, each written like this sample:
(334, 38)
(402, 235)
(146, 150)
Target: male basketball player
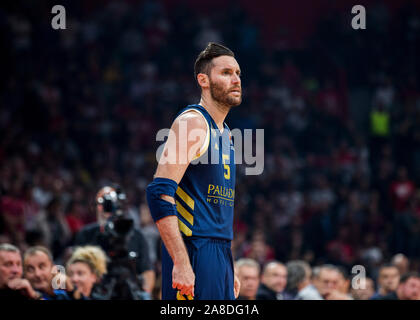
(192, 203)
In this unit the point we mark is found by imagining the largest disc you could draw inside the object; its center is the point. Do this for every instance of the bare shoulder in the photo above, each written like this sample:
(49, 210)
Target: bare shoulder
(190, 120)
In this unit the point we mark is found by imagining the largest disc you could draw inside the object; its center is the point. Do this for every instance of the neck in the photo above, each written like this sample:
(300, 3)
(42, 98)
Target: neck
(216, 110)
(383, 292)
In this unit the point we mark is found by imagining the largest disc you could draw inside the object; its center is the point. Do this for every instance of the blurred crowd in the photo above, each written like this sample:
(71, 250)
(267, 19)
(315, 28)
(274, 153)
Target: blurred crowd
(80, 109)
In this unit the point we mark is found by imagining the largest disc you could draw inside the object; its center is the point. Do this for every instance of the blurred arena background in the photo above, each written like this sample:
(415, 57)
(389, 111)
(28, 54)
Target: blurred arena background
(80, 109)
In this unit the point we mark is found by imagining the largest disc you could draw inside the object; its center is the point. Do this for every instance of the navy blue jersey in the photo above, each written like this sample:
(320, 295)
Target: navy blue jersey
(205, 195)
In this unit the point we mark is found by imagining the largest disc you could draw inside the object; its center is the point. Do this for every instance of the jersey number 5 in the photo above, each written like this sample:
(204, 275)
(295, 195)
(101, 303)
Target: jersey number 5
(226, 166)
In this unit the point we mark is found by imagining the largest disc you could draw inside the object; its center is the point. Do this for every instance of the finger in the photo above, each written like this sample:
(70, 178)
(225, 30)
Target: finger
(189, 290)
(183, 291)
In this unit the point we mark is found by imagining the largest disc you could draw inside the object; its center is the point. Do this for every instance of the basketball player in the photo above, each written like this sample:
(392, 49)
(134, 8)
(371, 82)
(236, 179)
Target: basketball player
(192, 203)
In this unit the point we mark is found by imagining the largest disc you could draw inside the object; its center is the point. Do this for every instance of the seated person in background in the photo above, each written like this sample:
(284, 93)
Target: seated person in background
(12, 286)
(299, 283)
(408, 288)
(401, 262)
(273, 282)
(248, 272)
(327, 281)
(363, 292)
(85, 268)
(38, 269)
(388, 279)
(344, 283)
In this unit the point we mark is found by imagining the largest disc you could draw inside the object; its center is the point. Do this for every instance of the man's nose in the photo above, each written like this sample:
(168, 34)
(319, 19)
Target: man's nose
(16, 269)
(236, 79)
(38, 273)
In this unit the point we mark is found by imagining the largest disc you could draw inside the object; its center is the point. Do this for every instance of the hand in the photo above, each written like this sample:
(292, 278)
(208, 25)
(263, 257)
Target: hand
(236, 286)
(61, 281)
(24, 286)
(336, 295)
(183, 279)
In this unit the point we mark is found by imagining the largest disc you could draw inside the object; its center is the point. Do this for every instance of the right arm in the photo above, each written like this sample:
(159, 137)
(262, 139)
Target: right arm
(183, 277)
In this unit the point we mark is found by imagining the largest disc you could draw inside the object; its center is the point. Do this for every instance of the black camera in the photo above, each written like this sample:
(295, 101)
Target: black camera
(121, 281)
(118, 225)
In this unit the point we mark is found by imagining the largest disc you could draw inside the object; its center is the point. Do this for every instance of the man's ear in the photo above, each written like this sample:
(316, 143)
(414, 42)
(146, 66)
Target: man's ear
(203, 80)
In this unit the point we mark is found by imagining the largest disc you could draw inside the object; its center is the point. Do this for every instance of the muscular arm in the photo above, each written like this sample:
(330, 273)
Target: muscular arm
(188, 124)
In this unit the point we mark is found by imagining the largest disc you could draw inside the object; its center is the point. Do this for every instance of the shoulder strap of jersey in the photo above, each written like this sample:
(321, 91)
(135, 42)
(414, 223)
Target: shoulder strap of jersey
(203, 112)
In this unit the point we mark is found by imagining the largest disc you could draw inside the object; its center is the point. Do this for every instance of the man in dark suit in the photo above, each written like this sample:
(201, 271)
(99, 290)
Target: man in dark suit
(273, 282)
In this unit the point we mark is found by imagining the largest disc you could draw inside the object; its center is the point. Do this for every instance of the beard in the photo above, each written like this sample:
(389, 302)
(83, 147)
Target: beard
(223, 97)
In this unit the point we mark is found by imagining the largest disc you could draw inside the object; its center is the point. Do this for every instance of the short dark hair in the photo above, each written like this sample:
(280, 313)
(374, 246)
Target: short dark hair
(386, 266)
(213, 50)
(404, 278)
(296, 274)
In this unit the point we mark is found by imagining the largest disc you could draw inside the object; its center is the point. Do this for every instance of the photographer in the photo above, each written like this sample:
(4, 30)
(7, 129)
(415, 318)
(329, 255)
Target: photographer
(124, 244)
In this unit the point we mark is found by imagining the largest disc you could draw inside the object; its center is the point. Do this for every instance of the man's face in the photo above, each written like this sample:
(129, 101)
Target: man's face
(10, 267)
(249, 278)
(411, 289)
(225, 81)
(327, 281)
(275, 277)
(366, 292)
(389, 279)
(38, 270)
(343, 284)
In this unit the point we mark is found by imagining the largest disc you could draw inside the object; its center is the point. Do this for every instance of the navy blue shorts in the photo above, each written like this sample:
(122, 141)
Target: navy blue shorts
(212, 263)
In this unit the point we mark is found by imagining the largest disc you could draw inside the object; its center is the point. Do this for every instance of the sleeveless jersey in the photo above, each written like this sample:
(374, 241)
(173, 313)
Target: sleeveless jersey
(206, 193)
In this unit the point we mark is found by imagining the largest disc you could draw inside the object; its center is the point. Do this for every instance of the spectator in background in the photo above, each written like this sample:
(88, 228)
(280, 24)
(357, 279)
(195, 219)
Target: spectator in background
(38, 269)
(248, 273)
(401, 190)
(380, 129)
(74, 217)
(273, 282)
(85, 268)
(401, 262)
(54, 228)
(299, 281)
(258, 249)
(344, 282)
(363, 292)
(327, 282)
(12, 286)
(12, 209)
(408, 288)
(388, 279)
